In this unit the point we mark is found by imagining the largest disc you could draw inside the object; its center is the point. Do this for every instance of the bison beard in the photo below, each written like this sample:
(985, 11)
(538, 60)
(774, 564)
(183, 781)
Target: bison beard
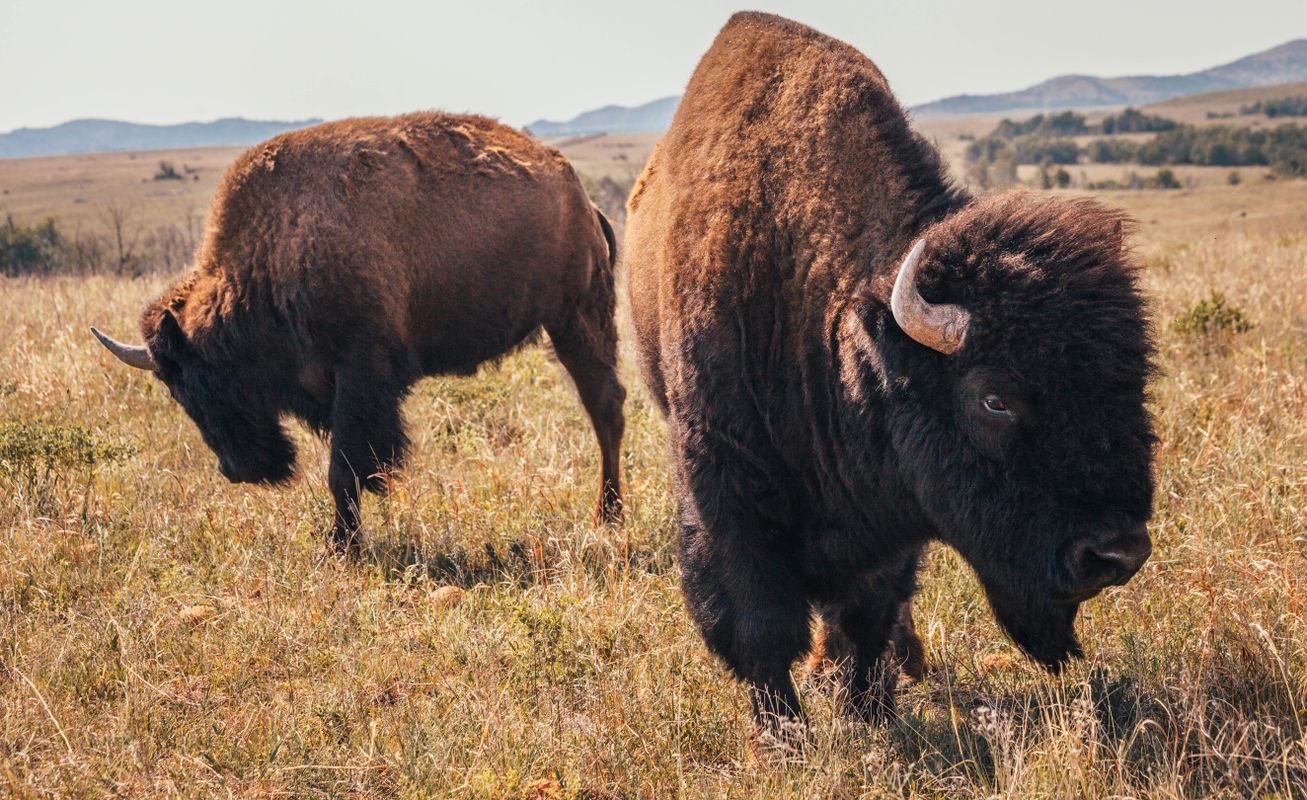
(346, 261)
(856, 358)
(1045, 631)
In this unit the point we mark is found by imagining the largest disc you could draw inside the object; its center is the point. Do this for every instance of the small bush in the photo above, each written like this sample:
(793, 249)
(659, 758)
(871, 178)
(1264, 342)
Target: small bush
(29, 249)
(1067, 123)
(1133, 121)
(1111, 151)
(32, 453)
(167, 172)
(1164, 179)
(1212, 316)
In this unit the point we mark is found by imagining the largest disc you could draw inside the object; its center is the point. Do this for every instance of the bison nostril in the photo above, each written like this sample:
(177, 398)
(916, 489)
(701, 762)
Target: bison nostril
(1111, 561)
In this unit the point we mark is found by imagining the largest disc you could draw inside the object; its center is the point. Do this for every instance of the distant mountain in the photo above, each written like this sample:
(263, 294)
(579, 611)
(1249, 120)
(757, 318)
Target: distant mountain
(655, 116)
(103, 135)
(1282, 64)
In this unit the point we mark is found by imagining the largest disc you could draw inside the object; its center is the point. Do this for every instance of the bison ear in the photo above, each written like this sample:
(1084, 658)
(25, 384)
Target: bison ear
(170, 342)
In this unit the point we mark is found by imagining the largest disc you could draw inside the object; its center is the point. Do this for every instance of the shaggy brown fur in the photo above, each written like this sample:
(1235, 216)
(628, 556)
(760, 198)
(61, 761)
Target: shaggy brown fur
(817, 448)
(345, 261)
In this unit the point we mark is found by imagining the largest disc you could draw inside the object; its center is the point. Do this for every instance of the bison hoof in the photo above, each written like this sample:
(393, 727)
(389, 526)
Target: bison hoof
(609, 513)
(778, 741)
(343, 542)
(909, 647)
(876, 706)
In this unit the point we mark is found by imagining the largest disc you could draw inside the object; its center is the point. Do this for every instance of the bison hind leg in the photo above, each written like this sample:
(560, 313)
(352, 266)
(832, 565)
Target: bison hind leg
(585, 341)
(867, 641)
(832, 651)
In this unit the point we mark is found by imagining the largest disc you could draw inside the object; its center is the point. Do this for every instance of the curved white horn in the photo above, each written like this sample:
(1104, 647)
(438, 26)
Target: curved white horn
(939, 326)
(132, 355)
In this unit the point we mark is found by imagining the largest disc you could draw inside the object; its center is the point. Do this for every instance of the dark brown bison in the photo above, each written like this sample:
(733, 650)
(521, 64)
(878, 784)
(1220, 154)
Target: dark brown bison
(344, 262)
(856, 358)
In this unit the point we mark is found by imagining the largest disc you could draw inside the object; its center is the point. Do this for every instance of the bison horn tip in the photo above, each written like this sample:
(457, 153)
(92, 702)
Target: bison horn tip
(941, 327)
(137, 356)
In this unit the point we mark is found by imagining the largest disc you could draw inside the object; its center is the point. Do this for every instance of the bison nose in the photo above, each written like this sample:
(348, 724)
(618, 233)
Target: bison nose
(1109, 559)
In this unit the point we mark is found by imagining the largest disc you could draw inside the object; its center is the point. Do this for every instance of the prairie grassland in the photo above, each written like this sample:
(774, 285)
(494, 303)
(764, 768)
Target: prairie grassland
(167, 634)
(77, 189)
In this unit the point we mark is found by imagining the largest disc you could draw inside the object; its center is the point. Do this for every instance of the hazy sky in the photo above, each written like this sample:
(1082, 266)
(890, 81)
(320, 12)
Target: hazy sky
(174, 60)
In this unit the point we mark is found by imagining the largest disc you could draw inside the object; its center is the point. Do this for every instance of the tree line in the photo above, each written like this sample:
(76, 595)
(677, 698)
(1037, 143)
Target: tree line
(1283, 107)
(118, 245)
(1046, 140)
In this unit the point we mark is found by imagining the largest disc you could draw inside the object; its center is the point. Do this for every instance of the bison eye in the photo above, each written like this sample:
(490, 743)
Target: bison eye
(995, 406)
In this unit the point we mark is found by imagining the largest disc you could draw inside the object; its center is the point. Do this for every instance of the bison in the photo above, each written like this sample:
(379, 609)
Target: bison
(345, 261)
(856, 357)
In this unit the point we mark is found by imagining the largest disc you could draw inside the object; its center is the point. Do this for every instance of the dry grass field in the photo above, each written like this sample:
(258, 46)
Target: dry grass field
(77, 189)
(164, 633)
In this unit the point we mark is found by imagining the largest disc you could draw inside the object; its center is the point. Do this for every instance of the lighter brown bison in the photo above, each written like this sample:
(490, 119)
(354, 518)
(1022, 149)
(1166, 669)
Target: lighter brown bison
(344, 262)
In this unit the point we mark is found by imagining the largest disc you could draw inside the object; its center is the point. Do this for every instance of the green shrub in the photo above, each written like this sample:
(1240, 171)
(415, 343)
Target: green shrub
(1164, 179)
(33, 453)
(1135, 121)
(1111, 151)
(167, 172)
(1067, 123)
(1036, 150)
(1212, 316)
(29, 249)
(1033, 149)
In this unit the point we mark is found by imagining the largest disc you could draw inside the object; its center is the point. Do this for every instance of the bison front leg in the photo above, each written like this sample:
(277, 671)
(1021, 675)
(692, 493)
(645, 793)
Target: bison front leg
(870, 639)
(743, 587)
(367, 443)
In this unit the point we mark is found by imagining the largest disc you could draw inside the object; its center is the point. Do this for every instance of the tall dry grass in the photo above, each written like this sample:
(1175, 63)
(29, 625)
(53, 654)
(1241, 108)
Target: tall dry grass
(166, 634)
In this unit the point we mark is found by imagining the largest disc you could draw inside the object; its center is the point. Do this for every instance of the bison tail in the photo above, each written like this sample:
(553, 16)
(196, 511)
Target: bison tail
(609, 237)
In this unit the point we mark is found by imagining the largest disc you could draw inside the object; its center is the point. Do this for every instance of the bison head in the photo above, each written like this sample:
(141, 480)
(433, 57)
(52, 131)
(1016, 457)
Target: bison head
(235, 417)
(1020, 425)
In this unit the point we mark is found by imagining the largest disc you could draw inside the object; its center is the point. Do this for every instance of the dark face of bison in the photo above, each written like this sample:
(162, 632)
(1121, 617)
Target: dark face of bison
(1022, 430)
(233, 416)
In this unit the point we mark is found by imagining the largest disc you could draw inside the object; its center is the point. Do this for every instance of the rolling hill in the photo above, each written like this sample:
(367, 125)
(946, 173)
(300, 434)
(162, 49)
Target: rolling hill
(1222, 108)
(650, 117)
(103, 135)
(1283, 64)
